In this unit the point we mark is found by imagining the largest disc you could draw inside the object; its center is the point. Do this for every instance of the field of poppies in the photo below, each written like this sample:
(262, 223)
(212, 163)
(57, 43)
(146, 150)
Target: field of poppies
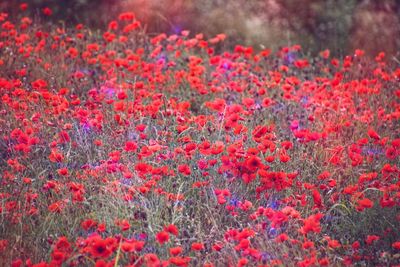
(118, 148)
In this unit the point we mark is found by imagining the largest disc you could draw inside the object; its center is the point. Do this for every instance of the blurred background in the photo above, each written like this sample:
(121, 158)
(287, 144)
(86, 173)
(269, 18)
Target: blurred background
(338, 25)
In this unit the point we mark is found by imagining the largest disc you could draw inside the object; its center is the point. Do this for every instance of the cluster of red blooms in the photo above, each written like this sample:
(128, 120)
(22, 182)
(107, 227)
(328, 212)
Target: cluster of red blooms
(120, 149)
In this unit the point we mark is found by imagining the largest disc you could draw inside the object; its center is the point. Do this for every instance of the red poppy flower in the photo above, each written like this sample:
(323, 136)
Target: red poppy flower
(282, 238)
(175, 251)
(87, 224)
(63, 171)
(253, 163)
(162, 237)
(242, 262)
(184, 169)
(172, 229)
(99, 249)
(396, 245)
(197, 246)
(334, 244)
(283, 156)
(317, 198)
(23, 6)
(374, 135)
(58, 256)
(218, 246)
(152, 260)
(371, 238)
(47, 11)
(56, 156)
(312, 224)
(128, 246)
(130, 146)
(56, 207)
(364, 203)
(180, 261)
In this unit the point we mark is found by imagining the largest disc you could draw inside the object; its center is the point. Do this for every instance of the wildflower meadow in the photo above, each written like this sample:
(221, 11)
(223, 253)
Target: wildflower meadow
(122, 148)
